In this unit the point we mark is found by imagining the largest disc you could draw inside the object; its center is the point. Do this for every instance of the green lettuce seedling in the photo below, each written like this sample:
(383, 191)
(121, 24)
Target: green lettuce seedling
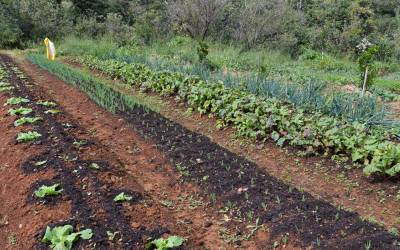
(165, 244)
(46, 103)
(122, 197)
(16, 101)
(52, 111)
(26, 120)
(28, 136)
(63, 237)
(45, 191)
(20, 111)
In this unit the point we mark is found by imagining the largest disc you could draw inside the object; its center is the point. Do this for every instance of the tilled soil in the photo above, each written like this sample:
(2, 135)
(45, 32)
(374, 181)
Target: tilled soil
(69, 152)
(239, 188)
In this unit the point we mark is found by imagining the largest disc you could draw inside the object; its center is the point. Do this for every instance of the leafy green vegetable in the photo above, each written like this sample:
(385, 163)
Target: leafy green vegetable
(28, 136)
(94, 166)
(52, 111)
(122, 197)
(165, 244)
(46, 103)
(63, 237)
(6, 88)
(26, 120)
(20, 111)
(40, 163)
(16, 101)
(45, 191)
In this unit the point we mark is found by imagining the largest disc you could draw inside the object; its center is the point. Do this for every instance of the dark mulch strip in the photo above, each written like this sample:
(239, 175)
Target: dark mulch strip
(236, 180)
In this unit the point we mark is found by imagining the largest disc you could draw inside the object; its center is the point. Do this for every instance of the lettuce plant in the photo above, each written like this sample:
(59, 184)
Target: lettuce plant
(165, 244)
(20, 111)
(45, 191)
(26, 120)
(28, 136)
(16, 101)
(63, 237)
(122, 197)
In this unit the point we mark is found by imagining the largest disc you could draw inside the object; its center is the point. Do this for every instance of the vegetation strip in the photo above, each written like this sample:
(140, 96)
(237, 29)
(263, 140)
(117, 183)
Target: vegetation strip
(246, 191)
(61, 155)
(261, 118)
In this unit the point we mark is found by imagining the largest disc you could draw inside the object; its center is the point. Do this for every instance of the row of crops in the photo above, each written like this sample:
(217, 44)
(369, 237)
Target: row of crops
(266, 118)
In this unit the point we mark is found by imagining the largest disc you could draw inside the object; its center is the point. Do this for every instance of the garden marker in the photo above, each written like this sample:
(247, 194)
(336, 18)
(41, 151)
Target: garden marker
(50, 49)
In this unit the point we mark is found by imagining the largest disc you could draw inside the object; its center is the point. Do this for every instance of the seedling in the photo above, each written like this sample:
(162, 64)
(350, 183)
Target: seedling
(16, 101)
(6, 88)
(52, 111)
(28, 136)
(165, 244)
(95, 166)
(45, 191)
(63, 237)
(26, 120)
(20, 111)
(122, 197)
(112, 235)
(40, 163)
(46, 103)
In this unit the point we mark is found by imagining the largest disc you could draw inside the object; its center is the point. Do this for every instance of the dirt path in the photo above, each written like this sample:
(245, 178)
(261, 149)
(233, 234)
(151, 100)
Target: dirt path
(215, 179)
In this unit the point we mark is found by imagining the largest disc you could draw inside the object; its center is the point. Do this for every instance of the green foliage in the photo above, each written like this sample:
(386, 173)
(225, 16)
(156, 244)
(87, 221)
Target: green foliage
(28, 136)
(20, 111)
(122, 197)
(46, 103)
(45, 191)
(165, 244)
(97, 90)
(366, 60)
(26, 120)
(52, 111)
(16, 101)
(63, 237)
(261, 117)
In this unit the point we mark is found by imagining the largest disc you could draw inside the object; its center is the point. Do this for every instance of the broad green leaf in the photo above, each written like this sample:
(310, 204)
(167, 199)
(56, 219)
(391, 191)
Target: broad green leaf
(26, 120)
(20, 111)
(28, 136)
(16, 101)
(122, 197)
(45, 191)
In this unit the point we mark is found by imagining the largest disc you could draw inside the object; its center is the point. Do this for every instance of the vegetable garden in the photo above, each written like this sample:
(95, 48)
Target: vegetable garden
(174, 188)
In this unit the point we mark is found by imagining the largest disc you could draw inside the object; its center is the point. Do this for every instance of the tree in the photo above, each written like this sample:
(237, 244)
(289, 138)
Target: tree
(196, 17)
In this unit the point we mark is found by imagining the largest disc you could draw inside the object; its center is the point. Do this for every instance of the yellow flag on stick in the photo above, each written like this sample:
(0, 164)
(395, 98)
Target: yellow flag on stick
(51, 50)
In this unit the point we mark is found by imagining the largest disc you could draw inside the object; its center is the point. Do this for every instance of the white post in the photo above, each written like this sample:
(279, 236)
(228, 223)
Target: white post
(365, 82)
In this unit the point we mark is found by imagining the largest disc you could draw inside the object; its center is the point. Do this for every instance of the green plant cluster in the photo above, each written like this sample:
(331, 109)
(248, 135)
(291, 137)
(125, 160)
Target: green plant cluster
(263, 118)
(63, 237)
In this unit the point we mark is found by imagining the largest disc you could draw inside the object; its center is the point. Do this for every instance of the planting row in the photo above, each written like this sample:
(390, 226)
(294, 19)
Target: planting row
(263, 118)
(71, 174)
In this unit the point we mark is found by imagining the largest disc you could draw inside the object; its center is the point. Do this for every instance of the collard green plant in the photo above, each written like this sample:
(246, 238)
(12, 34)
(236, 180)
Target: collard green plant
(165, 244)
(26, 120)
(28, 136)
(122, 197)
(63, 237)
(45, 191)
(17, 101)
(20, 111)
